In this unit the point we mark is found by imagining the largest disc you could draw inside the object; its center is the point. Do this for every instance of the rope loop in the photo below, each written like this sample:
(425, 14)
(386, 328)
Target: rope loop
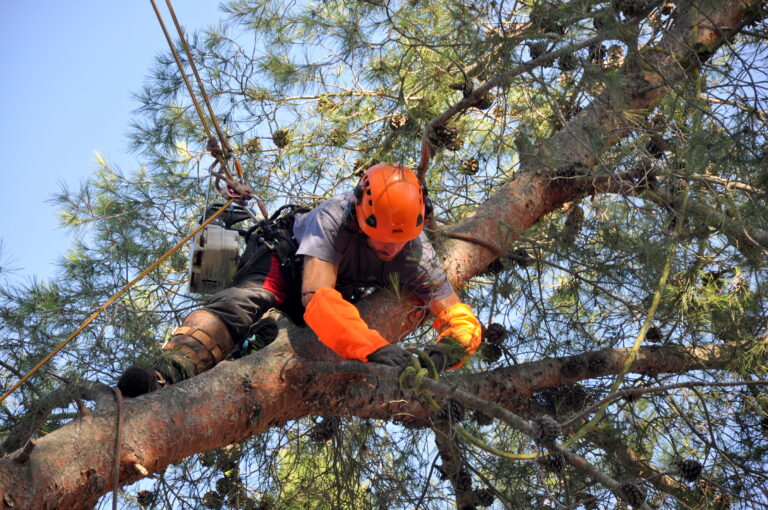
(427, 362)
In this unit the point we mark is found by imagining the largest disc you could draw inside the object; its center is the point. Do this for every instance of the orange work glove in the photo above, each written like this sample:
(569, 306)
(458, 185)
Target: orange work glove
(459, 322)
(338, 324)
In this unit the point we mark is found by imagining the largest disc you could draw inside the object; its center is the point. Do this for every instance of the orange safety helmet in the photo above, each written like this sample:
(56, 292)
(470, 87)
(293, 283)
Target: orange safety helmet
(389, 203)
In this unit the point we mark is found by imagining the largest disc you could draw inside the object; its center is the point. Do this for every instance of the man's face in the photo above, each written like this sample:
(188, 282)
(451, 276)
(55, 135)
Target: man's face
(384, 251)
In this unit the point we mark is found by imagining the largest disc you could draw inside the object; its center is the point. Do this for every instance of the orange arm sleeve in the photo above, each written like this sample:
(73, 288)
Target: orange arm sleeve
(338, 324)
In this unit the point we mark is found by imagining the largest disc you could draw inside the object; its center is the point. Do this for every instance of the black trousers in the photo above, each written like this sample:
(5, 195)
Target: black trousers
(259, 285)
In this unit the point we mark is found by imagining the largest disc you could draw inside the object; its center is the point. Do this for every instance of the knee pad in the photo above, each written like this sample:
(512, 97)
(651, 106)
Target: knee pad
(203, 338)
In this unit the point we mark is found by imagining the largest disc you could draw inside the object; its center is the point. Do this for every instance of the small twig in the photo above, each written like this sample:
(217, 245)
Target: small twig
(39, 413)
(23, 457)
(81, 408)
(140, 469)
(639, 391)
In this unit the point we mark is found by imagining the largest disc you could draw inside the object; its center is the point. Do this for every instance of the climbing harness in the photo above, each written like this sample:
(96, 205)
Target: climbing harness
(276, 235)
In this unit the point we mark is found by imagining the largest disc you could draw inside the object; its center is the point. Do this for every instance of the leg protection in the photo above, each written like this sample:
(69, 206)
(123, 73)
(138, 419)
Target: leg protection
(203, 339)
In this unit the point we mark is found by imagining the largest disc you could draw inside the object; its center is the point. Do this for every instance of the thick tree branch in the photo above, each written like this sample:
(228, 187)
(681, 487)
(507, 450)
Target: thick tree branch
(238, 399)
(744, 238)
(30, 424)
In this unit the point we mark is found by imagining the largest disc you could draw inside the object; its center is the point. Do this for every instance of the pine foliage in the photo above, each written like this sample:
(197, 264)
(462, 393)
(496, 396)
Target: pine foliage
(311, 92)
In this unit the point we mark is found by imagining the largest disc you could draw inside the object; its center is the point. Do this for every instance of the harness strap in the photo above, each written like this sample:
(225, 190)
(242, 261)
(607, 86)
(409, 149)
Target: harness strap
(201, 336)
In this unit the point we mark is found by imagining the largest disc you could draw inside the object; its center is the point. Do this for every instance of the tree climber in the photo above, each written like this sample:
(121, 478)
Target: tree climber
(372, 236)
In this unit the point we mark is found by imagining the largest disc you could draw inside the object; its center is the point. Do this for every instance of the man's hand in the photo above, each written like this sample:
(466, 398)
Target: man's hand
(391, 355)
(440, 358)
(457, 322)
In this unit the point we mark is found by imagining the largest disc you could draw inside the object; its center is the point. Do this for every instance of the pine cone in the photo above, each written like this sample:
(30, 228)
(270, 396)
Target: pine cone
(145, 498)
(653, 334)
(603, 19)
(463, 481)
(541, 17)
(537, 49)
(485, 497)
(521, 257)
(587, 500)
(398, 121)
(631, 494)
(225, 485)
(208, 459)
(494, 267)
(630, 8)
(722, 501)
(470, 166)
(615, 57)
(569, 110)
(358, 167)
(573, 223)
(553, 462)
(654, 150)
(597, 53)
(325, 430)
(452, 412)
(446, 137)
(228, 457)
(568, 62)
(481, 419)
(211, 499)
(266, 503)
(545, 430)
(495, 334)
(690, 469)
(252, 146)
(490, 352)
(485, 102)
(281, 138)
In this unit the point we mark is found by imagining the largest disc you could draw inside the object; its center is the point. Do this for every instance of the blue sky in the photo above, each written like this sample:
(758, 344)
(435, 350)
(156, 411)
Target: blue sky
(68, 73)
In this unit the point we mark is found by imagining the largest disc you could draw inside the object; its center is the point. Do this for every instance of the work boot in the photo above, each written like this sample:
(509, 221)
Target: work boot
(200, 343)
(137, 381)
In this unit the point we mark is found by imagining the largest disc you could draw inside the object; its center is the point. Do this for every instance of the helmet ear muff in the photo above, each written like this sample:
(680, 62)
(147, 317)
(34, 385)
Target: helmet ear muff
(350, 212)
(428, 207)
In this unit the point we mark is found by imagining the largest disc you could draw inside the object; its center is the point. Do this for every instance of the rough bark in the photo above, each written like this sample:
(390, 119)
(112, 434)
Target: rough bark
(70, 468)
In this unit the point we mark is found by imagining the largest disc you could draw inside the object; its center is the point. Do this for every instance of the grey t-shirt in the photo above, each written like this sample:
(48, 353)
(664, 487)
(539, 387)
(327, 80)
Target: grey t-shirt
(321, 234)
